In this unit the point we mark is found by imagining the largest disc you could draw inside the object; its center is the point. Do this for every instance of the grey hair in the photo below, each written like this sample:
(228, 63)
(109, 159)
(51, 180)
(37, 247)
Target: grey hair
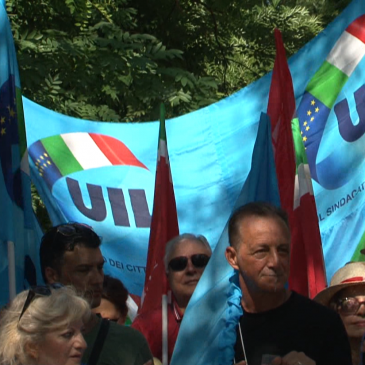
(171, 245)
(44, 314)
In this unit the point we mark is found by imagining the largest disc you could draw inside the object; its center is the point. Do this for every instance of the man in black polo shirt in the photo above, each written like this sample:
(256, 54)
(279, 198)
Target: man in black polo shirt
(278, 326)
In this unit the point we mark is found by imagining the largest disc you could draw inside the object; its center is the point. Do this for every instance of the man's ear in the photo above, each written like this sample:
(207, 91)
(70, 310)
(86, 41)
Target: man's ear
(231, 256)
(51, 275)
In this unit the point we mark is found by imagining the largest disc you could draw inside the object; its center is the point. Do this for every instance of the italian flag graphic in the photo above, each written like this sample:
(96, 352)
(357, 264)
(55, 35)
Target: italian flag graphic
(307, 272)
(64, 154)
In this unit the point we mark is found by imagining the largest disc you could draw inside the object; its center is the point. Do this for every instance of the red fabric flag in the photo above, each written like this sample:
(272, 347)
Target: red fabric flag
(307, 273)
(164, 226)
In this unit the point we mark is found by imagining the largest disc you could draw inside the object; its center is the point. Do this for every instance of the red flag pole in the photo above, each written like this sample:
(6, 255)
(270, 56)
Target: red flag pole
(164, 227)
(307, 273)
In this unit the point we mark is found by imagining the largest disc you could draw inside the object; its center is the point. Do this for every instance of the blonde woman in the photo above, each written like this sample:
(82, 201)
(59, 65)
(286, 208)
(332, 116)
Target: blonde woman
(43, 326)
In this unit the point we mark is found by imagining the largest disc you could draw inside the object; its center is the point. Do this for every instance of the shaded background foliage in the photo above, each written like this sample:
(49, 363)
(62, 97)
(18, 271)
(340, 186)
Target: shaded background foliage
(116, 60)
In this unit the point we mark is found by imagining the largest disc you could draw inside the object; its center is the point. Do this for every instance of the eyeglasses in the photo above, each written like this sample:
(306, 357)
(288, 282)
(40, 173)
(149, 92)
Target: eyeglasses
(74, 230)
(179, 263)
(349, 305)
(38, 290)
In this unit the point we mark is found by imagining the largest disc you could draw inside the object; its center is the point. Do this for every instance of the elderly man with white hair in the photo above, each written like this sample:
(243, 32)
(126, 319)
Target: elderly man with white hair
(186, 257)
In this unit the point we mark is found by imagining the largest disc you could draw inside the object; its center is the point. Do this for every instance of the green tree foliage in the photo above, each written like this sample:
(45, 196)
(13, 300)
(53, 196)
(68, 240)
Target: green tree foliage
(233, 40)
(40, 210)
(115, 60)
(88, 59)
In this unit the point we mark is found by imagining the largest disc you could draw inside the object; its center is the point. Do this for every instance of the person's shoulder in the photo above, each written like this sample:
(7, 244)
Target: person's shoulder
(125, 331)
(126, 344)
(310, 308)
(151, 316)
(301, 300)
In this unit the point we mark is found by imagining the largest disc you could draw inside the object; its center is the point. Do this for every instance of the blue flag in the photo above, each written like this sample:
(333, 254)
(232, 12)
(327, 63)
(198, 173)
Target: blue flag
(17, 237)
(208, 331)
(209, 152)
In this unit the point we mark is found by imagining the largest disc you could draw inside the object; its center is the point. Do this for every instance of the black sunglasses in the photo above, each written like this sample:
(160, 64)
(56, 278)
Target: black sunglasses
(179, 263)
(73, 230)
(348, 305)
(38, 290)
(69, 229)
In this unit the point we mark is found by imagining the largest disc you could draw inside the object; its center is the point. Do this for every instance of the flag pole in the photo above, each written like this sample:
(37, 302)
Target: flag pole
(11, 270)
(164, 331)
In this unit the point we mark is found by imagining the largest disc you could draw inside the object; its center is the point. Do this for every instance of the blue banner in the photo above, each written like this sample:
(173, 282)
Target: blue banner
(214, 310)
(210, 150)
(19, 234)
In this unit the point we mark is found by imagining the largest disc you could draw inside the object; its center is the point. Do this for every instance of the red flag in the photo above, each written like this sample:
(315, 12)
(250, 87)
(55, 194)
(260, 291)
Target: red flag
(164, 226)
(307, 272)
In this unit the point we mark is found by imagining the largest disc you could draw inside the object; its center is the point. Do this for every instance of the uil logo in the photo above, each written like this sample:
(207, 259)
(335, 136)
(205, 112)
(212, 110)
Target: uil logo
(329, 165)
(94, 170)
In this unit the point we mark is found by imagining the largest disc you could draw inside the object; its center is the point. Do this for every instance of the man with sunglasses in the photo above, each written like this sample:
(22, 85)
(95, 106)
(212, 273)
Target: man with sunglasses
(346, 296)
(70, 254)
(186, 257)
(278, 326)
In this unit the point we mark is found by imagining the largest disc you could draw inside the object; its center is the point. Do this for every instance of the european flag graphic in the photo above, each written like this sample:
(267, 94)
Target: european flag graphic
(44, 164)
(312, 115)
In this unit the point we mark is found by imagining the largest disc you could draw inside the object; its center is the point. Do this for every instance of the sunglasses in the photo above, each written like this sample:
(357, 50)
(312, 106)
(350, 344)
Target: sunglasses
(349, 305)
(70, 229)
(40, 291)
(179, 263)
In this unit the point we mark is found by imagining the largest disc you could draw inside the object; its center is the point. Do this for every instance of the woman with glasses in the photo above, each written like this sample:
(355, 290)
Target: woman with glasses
(346, 295)
(186, 257)
(43, 326)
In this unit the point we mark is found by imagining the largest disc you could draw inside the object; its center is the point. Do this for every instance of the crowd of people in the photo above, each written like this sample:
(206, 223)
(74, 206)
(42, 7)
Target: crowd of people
(78, 316)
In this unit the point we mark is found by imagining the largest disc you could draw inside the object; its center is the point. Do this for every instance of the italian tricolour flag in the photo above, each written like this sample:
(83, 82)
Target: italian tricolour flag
(313, 278)
(307, 273)
(64, 154)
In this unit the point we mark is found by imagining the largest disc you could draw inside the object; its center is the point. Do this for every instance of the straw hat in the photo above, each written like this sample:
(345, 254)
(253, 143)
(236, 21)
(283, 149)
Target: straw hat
(351, 274)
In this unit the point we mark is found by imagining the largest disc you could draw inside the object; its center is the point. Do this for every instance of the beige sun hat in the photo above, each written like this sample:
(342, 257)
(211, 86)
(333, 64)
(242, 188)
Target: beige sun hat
(351, 274)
